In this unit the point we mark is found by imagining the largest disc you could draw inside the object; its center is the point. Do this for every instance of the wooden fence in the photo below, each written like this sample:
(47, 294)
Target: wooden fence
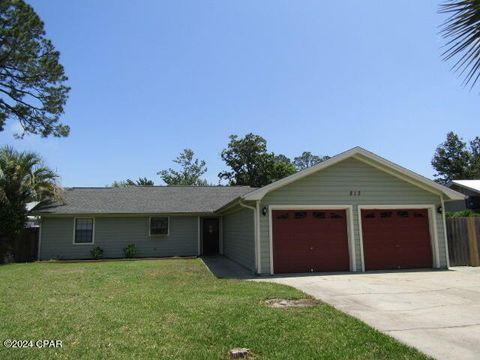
(464, 241)
(25, 247)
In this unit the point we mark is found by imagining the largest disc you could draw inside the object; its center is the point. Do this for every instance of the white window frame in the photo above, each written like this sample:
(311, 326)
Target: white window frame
(150, 226)
(75, 228)
(350, 227)
(432, 225)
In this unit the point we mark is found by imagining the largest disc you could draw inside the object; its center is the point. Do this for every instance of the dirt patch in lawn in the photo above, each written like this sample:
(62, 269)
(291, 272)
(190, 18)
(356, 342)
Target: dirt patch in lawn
(286, 303)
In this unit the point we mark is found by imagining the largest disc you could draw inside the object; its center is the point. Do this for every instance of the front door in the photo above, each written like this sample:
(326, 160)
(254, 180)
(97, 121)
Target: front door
(210, 236)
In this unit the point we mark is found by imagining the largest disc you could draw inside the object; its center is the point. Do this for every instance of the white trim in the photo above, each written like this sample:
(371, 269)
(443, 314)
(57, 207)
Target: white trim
(39, 238)
(444, 221)
(432, 223)
(150, 226)
(199, 247)
(349, 220)
(257, 242)
(416, 179)
(93, 229)
(360, 237)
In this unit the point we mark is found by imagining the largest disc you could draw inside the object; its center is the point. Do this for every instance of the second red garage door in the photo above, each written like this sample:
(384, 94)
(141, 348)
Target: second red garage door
(396, 239)
(310, 240)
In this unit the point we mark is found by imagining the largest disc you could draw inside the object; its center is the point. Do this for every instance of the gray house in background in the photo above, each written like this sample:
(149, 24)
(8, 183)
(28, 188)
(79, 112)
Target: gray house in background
(471, 190)
(353, 212)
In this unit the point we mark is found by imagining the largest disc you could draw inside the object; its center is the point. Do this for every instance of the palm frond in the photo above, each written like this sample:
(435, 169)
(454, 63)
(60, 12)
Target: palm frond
(462, 31)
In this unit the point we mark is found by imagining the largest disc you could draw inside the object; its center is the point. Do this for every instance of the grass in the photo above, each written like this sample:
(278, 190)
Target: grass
(171, 309)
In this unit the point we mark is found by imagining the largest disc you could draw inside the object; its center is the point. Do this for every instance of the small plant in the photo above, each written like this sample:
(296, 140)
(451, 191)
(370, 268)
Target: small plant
(464, 213)
(130, 251)
(97, 253)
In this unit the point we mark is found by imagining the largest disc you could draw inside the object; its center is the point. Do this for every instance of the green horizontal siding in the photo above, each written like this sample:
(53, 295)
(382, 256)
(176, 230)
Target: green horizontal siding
(112, 234)
(239, 237)
(332, 186)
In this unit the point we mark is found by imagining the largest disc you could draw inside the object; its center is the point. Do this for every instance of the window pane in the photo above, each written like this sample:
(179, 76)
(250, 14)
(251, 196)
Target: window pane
(159, 226)
(282, 216)
(386, 214)
(300, 215)
(83, 231)
(335, 216)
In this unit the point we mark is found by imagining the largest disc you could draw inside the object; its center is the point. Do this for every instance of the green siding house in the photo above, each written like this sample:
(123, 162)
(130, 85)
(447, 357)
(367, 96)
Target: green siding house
(353, 212)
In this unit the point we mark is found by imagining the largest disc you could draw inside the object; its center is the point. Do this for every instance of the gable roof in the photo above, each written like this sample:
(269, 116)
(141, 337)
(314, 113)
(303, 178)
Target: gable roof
(369, 158)
(143, 200)
(209, 199)
(473, 185)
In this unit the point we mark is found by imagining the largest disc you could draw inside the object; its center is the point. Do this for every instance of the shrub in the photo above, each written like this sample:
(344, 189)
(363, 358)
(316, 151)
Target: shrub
(97, 253)
(464, 213)
(130, 251)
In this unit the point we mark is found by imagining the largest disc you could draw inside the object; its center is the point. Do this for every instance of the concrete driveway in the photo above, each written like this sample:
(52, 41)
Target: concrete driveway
(437, 312)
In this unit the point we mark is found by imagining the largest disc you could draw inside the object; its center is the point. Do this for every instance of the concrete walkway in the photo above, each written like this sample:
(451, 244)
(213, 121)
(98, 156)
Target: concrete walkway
(437, 312)
(224, 268)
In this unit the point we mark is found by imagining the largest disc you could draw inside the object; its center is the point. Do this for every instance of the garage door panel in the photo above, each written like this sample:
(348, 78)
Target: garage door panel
(396, 239)
(306, 240)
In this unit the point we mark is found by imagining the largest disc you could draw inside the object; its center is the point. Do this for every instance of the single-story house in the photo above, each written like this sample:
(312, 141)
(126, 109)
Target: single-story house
(471, 190)
(353, 212)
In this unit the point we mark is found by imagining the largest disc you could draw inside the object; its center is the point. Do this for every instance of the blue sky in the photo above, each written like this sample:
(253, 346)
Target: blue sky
(150, 78)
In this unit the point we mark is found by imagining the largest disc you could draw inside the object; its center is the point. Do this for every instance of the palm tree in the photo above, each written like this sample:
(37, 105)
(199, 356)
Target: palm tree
(23, 178)
(462, 31)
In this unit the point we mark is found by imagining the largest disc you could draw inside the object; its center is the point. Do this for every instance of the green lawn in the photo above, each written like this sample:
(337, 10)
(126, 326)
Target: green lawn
(171, 309)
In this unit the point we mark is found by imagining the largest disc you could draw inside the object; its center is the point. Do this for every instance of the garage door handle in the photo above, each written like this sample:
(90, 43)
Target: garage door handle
(311, 247)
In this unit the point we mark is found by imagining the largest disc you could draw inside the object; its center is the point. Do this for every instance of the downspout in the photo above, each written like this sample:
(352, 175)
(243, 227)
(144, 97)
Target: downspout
(254, 230)
(39, 238)
(445, 231)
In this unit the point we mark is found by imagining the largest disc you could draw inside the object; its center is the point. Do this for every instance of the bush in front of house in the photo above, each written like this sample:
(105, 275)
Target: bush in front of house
(130, 251)
(97, 253)
(464, 213)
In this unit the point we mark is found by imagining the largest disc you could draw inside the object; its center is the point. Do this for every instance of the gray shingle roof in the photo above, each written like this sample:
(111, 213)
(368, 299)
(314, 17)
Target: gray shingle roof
(143, 200)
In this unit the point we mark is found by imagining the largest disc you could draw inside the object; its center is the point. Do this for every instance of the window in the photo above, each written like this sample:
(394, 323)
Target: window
(282, 216)
(319, 214)
(159, 225)
(83, 231)
(300, 215)
(335, 216)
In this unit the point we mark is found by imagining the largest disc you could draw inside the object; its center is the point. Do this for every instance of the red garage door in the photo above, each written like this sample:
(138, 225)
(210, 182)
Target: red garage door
(310, 240)
(396, 239)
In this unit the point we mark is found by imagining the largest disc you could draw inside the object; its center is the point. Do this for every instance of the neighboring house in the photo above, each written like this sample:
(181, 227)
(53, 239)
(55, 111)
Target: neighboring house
(471, 189)
(32, 221)
(353, 212)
